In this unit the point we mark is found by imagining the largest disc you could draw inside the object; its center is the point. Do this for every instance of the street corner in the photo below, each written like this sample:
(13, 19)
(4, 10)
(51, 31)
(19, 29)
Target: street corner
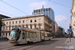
(68, 41)
(67, 47)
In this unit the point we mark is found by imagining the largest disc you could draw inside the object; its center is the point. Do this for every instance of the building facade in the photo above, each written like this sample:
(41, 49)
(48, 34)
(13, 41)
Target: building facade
(61, 32)
(56, 29)
(73, 17)
(39, 22)
(53, 28)
(2, 17)
(46, 11)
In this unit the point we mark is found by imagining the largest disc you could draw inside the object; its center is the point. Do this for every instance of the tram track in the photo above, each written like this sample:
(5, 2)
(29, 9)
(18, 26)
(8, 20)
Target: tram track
(32, 46)
(22, 46)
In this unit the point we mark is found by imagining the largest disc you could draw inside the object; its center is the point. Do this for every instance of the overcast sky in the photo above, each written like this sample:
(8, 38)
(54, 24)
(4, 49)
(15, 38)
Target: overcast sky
(61, 9)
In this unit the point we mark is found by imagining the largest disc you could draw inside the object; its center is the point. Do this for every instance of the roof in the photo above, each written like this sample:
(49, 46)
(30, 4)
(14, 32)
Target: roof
(4, 16)
(27, 17)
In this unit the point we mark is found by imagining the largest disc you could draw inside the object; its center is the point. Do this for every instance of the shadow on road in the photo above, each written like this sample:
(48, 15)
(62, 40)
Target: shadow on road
(39, 43)
(52, 42)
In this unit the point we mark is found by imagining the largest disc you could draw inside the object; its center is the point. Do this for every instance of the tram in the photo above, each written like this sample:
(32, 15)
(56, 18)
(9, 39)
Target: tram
(20, 35)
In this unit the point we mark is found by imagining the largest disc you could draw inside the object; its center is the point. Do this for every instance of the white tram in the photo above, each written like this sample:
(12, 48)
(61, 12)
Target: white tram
(24, 35)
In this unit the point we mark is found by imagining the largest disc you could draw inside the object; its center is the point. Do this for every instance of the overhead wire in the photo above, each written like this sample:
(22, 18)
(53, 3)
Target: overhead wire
(14, 7)
(59, 4)
(7, 13)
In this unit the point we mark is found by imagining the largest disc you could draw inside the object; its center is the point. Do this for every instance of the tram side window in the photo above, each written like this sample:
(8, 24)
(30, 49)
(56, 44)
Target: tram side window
(18, 35)
(48, 35)
(34, 35)
(42, 34)
(28, 34)
(31, 35)
(23, 35)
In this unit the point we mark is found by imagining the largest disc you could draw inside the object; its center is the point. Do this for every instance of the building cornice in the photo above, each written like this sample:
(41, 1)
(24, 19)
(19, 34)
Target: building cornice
(32, 16)
(72, 5)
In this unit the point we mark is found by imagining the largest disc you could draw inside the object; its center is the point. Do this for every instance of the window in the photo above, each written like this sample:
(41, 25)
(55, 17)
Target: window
(18, 35)
(39, 25)
(9, 27)
(13, 22)
(30, 26)
(9, 22)
(23, 26)
(27, 34)
(49, 9)
(15, 26)
(19, 26)
(16, 22)
(6, 22)
(35, 26)
(19, 21)
(6, 34)
(34, 11)
(41, 9)
(3, 34)
(34, 35)
(30, 20)
(3, 28)
(31, 35)
(6, 27)
(23, 35)
(26, 21)
(23, 21)
(39, 20)
(9, 34)
(35, 20)
(12, 26)
(26, 26)
(44, 10)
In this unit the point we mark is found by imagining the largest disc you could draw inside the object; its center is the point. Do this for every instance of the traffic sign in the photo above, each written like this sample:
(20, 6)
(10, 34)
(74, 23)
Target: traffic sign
(69, 30)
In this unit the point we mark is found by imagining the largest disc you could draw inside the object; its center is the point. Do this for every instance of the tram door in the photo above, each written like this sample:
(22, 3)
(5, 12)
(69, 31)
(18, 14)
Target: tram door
(23, 37)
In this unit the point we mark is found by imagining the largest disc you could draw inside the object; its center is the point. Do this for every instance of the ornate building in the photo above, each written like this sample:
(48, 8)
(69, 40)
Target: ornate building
(40, 22)
(73, 17)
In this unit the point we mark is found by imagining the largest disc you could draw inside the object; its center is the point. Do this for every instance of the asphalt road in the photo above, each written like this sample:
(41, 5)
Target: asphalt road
(54, 44)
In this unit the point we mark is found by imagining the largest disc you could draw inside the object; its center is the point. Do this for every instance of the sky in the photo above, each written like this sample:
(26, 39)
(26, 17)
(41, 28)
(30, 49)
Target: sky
(62, 9)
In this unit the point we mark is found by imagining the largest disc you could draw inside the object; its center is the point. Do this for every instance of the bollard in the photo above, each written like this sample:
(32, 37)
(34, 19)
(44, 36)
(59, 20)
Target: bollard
(70, 39)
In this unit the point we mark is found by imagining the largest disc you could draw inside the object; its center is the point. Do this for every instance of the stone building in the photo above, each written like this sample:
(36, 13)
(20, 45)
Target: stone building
(2, 17)
(39, 22)
(73, 17)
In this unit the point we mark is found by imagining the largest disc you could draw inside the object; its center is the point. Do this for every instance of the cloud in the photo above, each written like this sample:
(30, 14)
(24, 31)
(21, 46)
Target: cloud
(60, 18)
(37, 4)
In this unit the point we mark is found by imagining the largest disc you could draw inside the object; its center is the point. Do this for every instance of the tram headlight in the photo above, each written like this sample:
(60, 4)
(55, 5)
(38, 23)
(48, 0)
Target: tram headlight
(12, 39)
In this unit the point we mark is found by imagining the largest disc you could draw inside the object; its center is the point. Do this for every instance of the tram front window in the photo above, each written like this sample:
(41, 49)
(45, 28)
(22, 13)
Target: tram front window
(13, 34)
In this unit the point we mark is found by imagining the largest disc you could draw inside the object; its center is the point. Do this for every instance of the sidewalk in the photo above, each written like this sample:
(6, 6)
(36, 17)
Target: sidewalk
(73, 42)
(4, 39)
(69, 44)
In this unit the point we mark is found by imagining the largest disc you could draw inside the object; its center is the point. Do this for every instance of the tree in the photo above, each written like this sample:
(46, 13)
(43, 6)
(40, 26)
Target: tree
(1, 24)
